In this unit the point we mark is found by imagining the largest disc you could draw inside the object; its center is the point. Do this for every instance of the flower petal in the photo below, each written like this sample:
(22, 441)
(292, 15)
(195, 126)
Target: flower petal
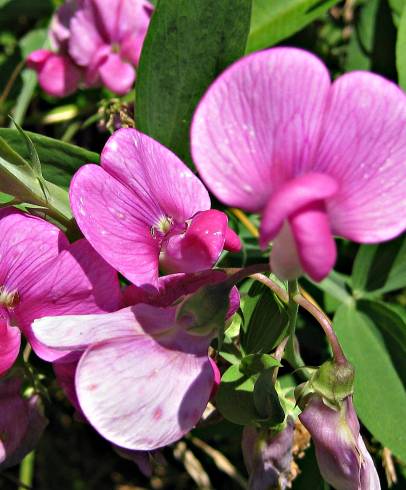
(258, 125)
(117, 75)
(10, 340)
(153, 396)
(199, 247)
(363, 147)
(116, 223)
(85, 38)
(161, 182)
(58, 76)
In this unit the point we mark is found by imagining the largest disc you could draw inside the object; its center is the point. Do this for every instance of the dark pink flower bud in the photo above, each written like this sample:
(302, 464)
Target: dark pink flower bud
(268, 457)
(341, 453)
(21, 423)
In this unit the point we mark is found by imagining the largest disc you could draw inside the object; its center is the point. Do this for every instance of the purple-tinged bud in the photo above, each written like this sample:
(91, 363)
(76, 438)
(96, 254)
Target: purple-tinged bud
(341, 453)
(268, 457)
(21, 423)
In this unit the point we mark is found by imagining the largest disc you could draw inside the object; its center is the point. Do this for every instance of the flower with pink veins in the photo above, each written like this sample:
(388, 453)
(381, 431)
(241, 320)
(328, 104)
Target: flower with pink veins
(143, 380)
(42, 274)
(98, 41)
(273, 135)
(143, 209)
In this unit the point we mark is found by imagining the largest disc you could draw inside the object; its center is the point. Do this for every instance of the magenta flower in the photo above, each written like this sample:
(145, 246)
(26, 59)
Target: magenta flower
(143, 209)
(273, 135)
(341, 453)
(96, 41)
(21, 423)
(42, 274)
(143, 380)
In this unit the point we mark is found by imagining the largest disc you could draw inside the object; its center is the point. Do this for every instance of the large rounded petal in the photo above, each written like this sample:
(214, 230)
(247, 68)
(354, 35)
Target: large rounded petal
(85, 37)
(10, 340)
(140, 394)
(258, 125)
(160, 182)
(59, 76)
(363, 146)
(117, 75)
(117, 223)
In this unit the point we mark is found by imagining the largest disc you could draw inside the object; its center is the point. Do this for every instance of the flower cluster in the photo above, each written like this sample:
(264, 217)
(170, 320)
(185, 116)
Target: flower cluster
(272, 135)
(93, 42)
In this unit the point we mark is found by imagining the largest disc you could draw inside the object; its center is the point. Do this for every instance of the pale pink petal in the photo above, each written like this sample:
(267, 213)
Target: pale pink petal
(284, 259)
(117, 75)
(59, 32)
(10, 340)
(290, 198)
(315, 243)
(92, 75)
(85, 38)
(117, 223)
(363, 147)
(152, 397)
(199, 247)
(133, 19)
(77, 332)
(164, 185)
(106, 16)
(258, 125)
(58, 76)
(78, 281)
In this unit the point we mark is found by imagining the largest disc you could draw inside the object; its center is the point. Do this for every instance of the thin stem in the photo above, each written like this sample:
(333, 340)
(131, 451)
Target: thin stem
(326, 325)
(10, 82)
(26, 475)
(243, 218)
(238, 275)
(280, 292)
(292, 353)
(278, 356)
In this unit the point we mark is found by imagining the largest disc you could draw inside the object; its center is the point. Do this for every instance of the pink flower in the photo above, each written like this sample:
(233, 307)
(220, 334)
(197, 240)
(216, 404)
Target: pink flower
(42, 274)
(97, 40)
(21, 423)
(316, 159)
(144, 209)
(143, 380)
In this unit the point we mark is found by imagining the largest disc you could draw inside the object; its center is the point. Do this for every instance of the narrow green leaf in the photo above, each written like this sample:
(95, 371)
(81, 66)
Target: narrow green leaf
(379, 394)
(59, 160)
(266, 399)
(380, 268)
(275, 20)
(186, 47)
(397, 7)
(401, 50)
(32, 152)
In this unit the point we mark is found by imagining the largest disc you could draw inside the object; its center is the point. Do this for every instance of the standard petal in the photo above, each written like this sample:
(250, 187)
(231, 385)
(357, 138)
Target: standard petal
(78, 281)
(59, 76)
(363, 146)
(116, 223)
(199, 247)
(258, 125)
(163, 184)
(117, 75)
(85, 38)
(141, 395)
(10, 340)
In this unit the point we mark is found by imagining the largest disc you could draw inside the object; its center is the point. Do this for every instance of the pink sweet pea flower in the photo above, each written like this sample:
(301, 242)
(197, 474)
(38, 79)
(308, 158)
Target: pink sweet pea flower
(42, 274)
(316, 159)
(21, 423)
(98, 41)
(143, 381)
(144, 209)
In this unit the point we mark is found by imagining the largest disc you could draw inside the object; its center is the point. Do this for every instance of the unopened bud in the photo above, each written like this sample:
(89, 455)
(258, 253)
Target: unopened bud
(268, 457)
(341, 453)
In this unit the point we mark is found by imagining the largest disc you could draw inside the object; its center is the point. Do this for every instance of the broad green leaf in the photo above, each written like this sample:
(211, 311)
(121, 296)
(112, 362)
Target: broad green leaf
(256, 363)
(379, 394)
(266, 399)
(17, 178)
(265, 320)
(275, 20)
(401, 50)
(186, 47)
(380, 268)
(59, 160)
(397, 7)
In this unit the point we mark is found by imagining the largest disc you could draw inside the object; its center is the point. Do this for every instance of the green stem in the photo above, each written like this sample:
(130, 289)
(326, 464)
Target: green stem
(26, 475)
(292, 354)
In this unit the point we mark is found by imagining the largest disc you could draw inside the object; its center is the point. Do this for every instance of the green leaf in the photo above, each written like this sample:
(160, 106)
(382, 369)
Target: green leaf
(234, 398)
(397, 7)
(256, 363)
(379, 394)
(265, 320)
(266, 399)
(186, 47)
(380, 268)
(401, 50)
(275, 20)
(59, 160)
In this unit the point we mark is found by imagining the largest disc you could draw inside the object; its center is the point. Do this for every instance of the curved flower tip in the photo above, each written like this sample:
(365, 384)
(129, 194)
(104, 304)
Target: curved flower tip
(10, 340)
(144, 209)
(341, 453)
(21, 423)
(321, 158)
